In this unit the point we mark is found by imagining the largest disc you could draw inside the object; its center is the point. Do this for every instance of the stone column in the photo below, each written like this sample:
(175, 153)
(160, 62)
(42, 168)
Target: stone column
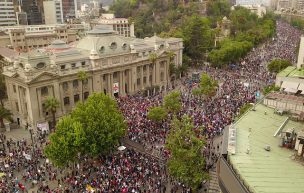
(111, 84)
(122, 83)
(157, 73)
(141, 77)
(153, 74)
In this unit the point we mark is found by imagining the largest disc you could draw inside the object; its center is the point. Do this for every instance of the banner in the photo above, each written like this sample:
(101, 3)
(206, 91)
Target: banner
(115, 87)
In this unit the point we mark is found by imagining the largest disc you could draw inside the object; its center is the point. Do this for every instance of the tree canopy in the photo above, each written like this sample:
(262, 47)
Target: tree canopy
(207, 86)
(98, 126)
(172, 102)
(157, 114)
(65, 142)
(186, 162)
(278, 65)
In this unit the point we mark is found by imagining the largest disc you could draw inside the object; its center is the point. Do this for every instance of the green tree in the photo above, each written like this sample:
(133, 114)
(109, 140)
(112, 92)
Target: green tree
(197, 36)
(270, 88)
(51, 105)
(5, 114)
(186, 162)
(278, 65)
(207, 85)
(244, 109)
(157, 114)
(82, 75)
(102, 122)
(172, 102)
(65, 142)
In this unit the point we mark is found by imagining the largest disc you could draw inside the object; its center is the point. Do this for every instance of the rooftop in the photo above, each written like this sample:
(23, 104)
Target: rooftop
(292, 71)
(266, 171)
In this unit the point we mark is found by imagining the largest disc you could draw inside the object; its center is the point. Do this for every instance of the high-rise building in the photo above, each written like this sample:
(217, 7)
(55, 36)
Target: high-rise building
(53, 13)
(7, 13)
(34, 15)
(69, 8)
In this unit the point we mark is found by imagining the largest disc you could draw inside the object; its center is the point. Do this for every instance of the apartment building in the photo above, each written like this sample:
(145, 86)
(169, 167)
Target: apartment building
(7, 13)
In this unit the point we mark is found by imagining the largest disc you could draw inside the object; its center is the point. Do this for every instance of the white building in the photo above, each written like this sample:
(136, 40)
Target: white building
(120, 25)
(7, 13)
(260, 10)
(291, 79)
(53, 13)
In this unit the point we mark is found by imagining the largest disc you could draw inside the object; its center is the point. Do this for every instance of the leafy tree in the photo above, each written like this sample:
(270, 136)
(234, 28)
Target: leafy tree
(102, 123)
(172, 102)
(243, 19)
(51, 105)
(186, 162)
(207, 85)
(278, 65)
(197, 36)
(270, 88)
(82, 75)
(65, 142)
(157, 114)
(5, 114)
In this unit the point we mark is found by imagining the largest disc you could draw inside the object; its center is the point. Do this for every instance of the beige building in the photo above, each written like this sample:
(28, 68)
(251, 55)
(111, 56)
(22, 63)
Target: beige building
(26, 38)
(53, 13)
(115, 65)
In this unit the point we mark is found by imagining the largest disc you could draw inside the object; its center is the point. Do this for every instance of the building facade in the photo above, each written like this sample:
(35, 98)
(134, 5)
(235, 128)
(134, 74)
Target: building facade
(69, 8)
(26, 38)
(7, 13)
(53, 13)
(115, 65)
(120, 25)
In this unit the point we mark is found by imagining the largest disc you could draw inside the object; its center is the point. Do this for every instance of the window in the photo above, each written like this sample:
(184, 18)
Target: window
(85, 82)
(144, 68)
(83, 63)
(40, 65)
(62, 67)
(75, 83)
(145, 80)
(65, 86)
(76, 98)
(162, 76)
(124, 46)
(101, 49)
(17, 107)
(113, 45)
(66, 100)
(14, 88)
(138, 81)
(86, 95)
(73, 65)
(44, 91)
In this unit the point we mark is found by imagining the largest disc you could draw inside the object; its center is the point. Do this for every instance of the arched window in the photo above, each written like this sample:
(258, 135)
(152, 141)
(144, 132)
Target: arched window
(44, 91)
(102, 49)
(113, 45)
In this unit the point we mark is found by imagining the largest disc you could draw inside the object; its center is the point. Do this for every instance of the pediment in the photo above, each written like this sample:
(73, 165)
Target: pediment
(45, 76)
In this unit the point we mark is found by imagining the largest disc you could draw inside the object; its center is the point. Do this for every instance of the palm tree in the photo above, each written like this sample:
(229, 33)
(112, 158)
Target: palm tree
(5, 114)
(51, 105)
(82, 75)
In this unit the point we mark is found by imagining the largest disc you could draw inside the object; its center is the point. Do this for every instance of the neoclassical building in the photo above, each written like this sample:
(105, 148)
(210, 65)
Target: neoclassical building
(114, 64)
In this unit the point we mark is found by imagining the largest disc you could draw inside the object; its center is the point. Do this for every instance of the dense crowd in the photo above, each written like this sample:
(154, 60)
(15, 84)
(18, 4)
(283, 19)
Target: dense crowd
(25, 166)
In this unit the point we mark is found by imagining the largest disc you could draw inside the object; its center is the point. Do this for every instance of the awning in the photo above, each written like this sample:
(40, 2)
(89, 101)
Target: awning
(292, 85)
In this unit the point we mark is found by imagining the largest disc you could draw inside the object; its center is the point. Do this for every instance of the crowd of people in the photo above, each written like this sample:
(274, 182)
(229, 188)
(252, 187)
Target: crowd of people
(23, 166)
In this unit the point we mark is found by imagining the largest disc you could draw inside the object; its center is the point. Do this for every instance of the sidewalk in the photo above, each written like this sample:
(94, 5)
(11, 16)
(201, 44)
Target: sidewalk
(18, 134)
